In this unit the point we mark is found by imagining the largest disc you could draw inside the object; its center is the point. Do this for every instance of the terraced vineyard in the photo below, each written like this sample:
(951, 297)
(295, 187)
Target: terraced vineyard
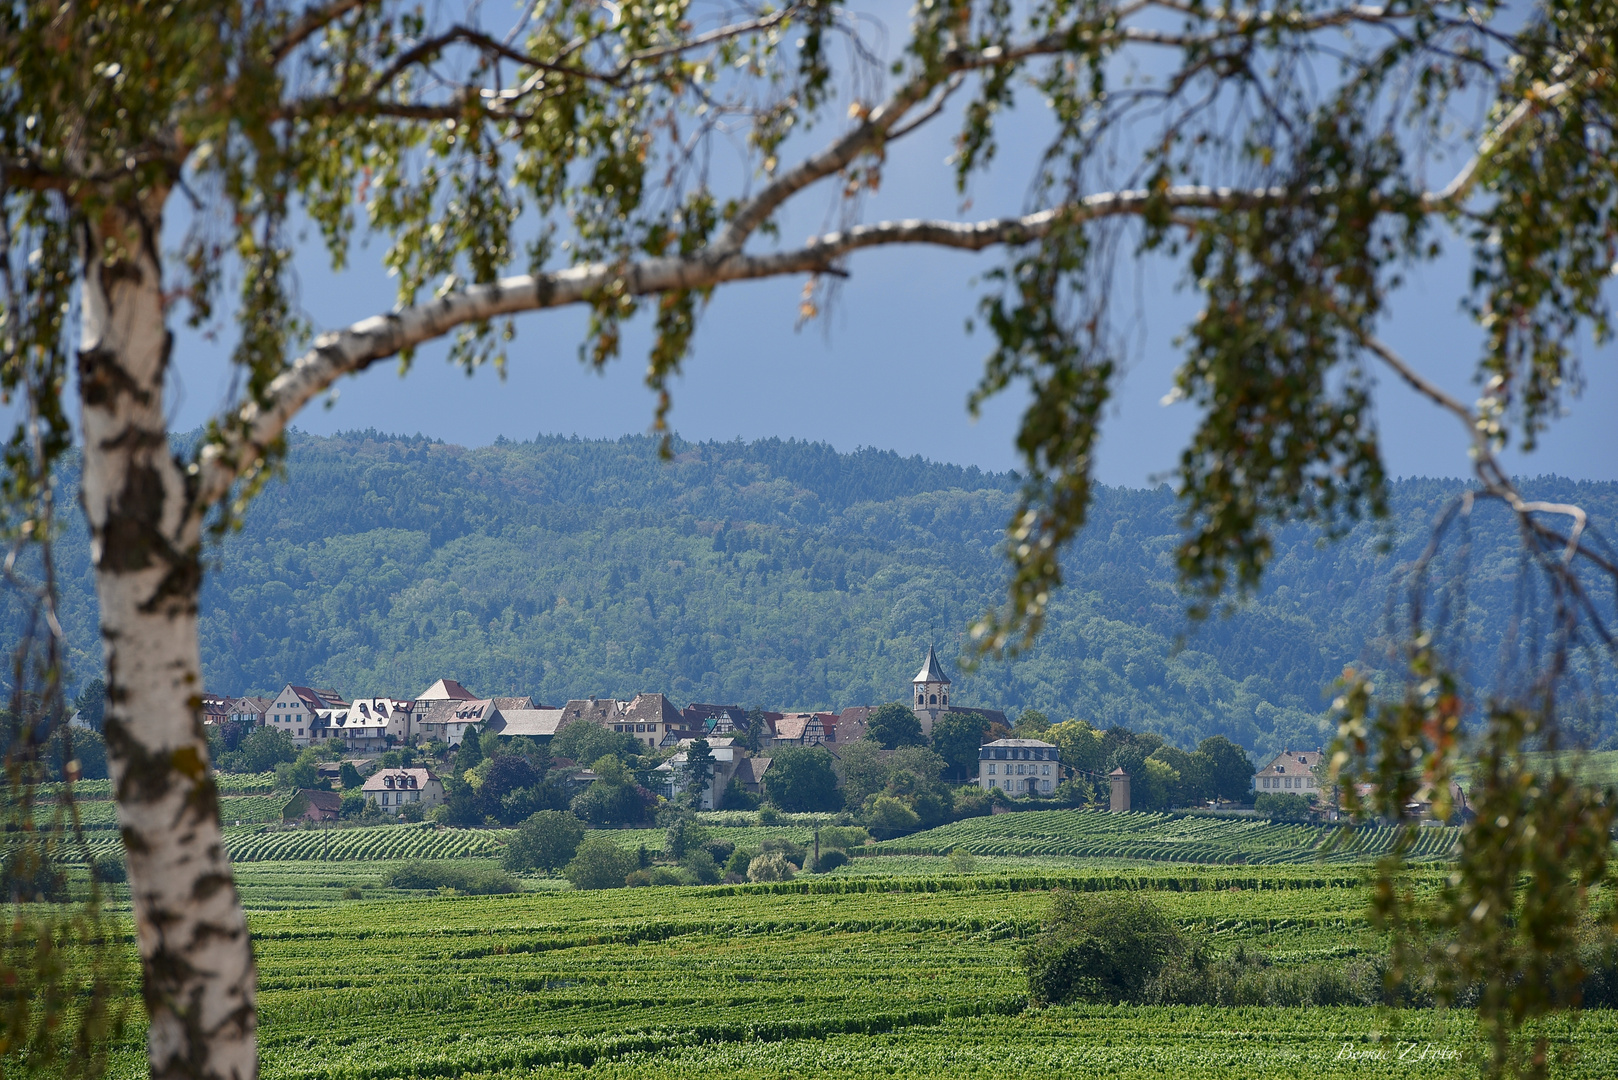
(1161, 838)
(764, 984)
(381, 842)
(370, 844)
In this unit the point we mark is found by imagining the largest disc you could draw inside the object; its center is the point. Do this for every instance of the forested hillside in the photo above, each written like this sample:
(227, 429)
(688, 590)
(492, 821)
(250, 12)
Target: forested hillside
(778, 574)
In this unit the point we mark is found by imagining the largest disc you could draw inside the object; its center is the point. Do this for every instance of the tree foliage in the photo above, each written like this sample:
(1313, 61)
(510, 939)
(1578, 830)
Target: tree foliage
(800, 779)
(547, 840)
(1099, 947)
(894, 725)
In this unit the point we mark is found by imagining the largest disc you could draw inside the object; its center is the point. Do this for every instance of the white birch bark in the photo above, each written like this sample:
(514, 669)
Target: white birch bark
(196, 957)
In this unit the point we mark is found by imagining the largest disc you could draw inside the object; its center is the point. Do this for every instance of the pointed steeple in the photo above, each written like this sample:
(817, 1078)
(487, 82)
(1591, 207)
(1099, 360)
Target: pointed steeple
(932, 671)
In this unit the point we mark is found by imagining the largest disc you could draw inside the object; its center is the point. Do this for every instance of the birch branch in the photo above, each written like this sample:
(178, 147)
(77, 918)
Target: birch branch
(257, 424)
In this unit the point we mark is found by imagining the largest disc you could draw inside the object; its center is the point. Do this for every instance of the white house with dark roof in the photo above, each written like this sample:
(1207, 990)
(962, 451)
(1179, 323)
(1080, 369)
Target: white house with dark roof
(296, 711)
(248, 710)
(370, 724)
(804, 729)
(1290, 772)
(649, 717)
(392, 789)
(1019, 766)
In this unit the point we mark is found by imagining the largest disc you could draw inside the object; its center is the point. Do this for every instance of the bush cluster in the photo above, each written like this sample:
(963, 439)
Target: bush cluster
(453, 875)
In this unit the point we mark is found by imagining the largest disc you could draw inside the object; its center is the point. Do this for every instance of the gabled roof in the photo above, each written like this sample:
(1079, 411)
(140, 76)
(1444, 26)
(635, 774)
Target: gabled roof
(751, 770)
(446, 690)
(1023, 743)
(696, 711)
(388, 779)
(473, 712)
(932, 670)
(311, 699)
(1292, 763)
(794, 726)
(596, 710)
(538, 723)
(653, 709)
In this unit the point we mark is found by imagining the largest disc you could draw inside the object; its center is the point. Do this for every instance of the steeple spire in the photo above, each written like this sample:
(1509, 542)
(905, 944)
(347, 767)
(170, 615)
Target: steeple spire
(932, 671)
(931, 687)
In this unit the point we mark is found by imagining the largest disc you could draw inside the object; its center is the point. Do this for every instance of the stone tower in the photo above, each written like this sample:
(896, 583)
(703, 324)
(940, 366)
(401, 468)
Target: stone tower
(931, 687)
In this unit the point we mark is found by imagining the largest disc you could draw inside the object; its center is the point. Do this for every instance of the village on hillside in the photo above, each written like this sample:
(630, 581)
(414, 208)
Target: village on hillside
(397, 757)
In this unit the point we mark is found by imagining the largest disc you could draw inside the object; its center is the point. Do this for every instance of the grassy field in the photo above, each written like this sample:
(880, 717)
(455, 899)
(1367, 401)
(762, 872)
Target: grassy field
(792, 982)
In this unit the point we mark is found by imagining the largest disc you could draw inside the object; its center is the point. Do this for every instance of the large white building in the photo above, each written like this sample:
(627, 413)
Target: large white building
(1020, 766)
(1289, 772)
(391, 789)
(296, 711)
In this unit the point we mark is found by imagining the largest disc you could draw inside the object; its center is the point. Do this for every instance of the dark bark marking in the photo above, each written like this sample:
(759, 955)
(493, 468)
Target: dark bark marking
(183, 583)
(102, 379)
(205, 886)
(130, 539)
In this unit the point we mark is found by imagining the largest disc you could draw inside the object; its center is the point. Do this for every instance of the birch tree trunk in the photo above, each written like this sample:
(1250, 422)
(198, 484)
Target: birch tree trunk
(196, 957)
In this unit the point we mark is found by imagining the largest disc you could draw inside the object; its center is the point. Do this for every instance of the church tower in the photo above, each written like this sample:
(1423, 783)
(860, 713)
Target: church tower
(931, 688)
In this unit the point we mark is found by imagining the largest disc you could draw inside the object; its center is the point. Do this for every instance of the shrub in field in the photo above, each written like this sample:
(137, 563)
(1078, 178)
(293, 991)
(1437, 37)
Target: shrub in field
(1099, 947)
(1282, 806)
(445, 874)
(843, 837)
(700, 868)
(771, 866)
(970, 801)
(110, 869)
(548, 840)
(681, 836)
(791, 850)
(888, 817)
(600, 864)
(1189, 977)
(962, 861)
(740, 859)
(829, 860)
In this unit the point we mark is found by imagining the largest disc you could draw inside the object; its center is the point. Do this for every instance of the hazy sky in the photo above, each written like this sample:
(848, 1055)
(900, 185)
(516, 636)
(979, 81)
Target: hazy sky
(891, 365)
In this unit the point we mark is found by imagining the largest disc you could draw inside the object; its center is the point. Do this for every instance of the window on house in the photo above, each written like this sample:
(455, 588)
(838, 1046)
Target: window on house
(991, 770)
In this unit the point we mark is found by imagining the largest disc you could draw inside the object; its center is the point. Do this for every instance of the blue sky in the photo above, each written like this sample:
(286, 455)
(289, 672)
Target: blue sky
(890, 365)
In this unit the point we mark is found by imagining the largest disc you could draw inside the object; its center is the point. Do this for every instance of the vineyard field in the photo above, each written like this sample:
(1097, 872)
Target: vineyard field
(1096, 834)
(759, 983)
(251, 843)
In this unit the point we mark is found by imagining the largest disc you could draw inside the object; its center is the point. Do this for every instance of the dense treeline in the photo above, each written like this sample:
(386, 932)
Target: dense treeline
(780, 574)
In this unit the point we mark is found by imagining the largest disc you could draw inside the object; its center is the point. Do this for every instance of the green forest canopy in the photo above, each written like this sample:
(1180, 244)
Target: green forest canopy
(780, 574)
